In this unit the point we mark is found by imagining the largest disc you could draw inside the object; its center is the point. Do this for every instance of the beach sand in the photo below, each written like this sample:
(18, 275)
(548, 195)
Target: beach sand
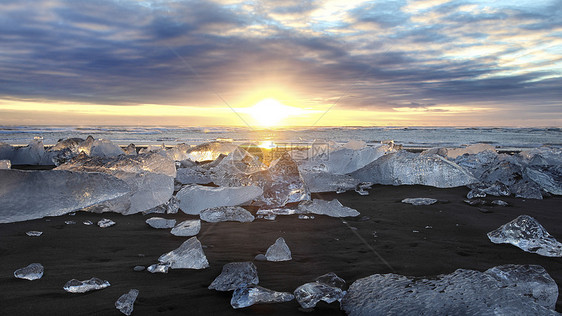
(388, 236)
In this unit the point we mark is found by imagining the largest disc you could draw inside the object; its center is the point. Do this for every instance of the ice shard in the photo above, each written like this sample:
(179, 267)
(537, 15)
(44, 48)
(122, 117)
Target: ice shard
(195, 198)
(248, 296)
(105, 148)
(235, 275)
(526, 233)
(76, 286)
(419, 201)
(189, 255)
(33, 271)
(331, 208)
(26, 195)
(187, 228)
(161, 223)
(126, 301)
(409, 168)
(279, 251)
(327, 288)
(105, 222)
(503, 291)
(225, 214)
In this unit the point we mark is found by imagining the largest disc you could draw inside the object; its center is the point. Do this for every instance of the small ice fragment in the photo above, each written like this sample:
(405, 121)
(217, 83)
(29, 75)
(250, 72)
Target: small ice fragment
(302, 216)
(279, 251)
(309, 294)
(33, 271)
(475, 202)
(415, 231)
(5, 164)
(269, 217)
(187, 228)
(69, 222)
(419, 201)
(161, 223)
(340, 190)
(361, 191)
(158, 268)
(226, 213)
(105, 222)
(34, 233)
(428, 227)
(248, 296)
(500, 203)
(76, 286)
(526, 233)
(189, 255)
(87, 223)
(126, 301)
(72, 214)
(139, 268)
(235, 275)
(331, 208)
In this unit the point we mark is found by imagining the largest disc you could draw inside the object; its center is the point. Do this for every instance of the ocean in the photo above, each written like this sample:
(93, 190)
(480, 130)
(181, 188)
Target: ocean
(409, 137)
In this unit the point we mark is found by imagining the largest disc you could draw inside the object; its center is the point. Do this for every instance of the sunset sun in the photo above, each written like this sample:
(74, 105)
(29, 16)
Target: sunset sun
(270, 112)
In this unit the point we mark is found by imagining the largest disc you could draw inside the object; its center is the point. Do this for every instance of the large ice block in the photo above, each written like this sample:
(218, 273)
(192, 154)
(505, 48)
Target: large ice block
(279, 251)
(76, 286)
(463, 292)
(195, 198)
(26, 195)
(33, 271)
(235, 275)
(189, 255)
(526, 233)
(331, 208)
(248, 296)
(7, 152)
(225, 214)
(477, 163)
(409, 168)
(31, 154)
(126, 301)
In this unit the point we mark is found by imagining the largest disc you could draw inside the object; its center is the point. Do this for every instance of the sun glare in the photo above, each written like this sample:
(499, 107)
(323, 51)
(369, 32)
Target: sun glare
(270, 112)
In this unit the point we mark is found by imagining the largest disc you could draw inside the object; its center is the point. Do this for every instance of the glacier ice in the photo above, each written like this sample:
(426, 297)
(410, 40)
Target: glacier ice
(126, 301)
(31, 154)
(160, 223)
(331, 279)
(131, 149)
(327, 288)
(481, 190)
(226, 213)
(187, 228)
(158, 268)
(105, 148)
(477, 163)
(321, 181)
(26, 195)
(192, 176)
(210, 151)
(34, 233)
(5, 164)
(170, 207)
(76, 286)
(189, 255)
(33, 271)
(409, 168)
(499, 291)
(248, 296)
(419, 201)
(331, 208)
(279, 251)
(195, 198)
(235, 275)
(105, 222)
(526, 233)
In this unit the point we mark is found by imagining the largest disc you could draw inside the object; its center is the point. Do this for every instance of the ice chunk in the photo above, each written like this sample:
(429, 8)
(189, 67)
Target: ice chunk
(320, 181)
(33, 271)
(549, 178)
(226, 213)
(235, 275)
(32, 154)
(139, 268)
(161, 223)
(526, 233)
(192, 176)
(463, 292)
(105, 148)
(279, 251)
(500, 203)
(248, 296)
(105, 222)
(419, 201)
(70, 222)
(87, 223)
(278, 211)
(480, 190)
(158, 268)
(26, 195)
(7, 152)
(409, 168)
(331, 279)
(470, 150)
(152, 148)
(187, 228)
(126, 301)
(5, 164)
(210, 151)
(189, 255)
(195, 198)
(34, 233)
(331, 208)
(477, 163)
(130, 150)
(170, 207)
(75, 286)
(309, 294)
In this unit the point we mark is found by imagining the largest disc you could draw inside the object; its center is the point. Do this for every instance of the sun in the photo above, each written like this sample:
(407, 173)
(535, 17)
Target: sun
(270, 112)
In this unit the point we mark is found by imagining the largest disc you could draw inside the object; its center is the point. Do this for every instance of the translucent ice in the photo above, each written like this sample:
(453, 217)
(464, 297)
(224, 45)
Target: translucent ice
(210, 151)
(235, 275)
(105, 148)
(187, 228)
(158, 268)
(409, 168)
(189, 255)
(75, 286)
(170, 207)
(195, 198)
(5, 164)
(126, 301)
(105, 222)
(419, 201)
(309, 294)
(504, 291)
(279, 251)
(477, 163)
(32, 154)
(248, 296)
(26, 195)
(130, 150)
(331, 279)
(33, 271)
(526, 233)
(192, 175)
(548, 178)
(331, 208)
(226, 213)
(321, 181)
(161, 223)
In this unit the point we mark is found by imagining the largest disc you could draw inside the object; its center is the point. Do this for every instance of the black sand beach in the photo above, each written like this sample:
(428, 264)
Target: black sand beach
(413, 240)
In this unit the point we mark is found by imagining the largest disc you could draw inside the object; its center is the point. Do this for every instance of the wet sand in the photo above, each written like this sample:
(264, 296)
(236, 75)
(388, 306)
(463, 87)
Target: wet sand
(388, 236)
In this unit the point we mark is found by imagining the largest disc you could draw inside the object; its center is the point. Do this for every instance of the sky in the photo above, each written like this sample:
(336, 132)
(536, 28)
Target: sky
(328, 63)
